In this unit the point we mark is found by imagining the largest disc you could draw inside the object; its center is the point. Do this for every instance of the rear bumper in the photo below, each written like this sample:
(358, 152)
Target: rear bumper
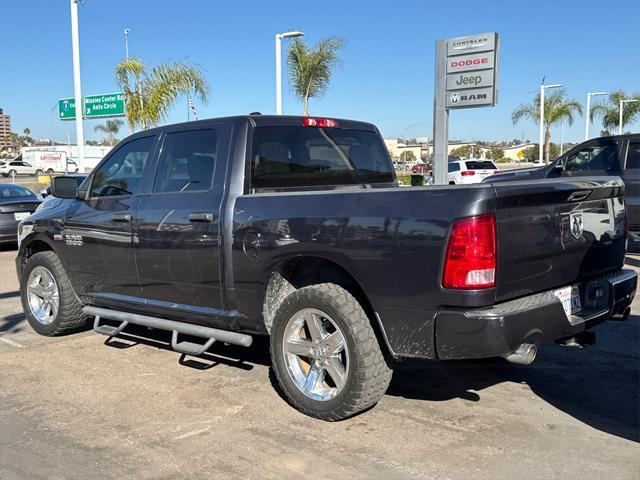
(538, 318)
(9, 232)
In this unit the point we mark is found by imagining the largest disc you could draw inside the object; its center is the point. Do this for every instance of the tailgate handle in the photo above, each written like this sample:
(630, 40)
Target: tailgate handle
(579, 195)
(121, 217)
(201, 217)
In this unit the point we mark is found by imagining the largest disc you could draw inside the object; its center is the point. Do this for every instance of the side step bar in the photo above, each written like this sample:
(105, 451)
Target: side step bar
(188, 348)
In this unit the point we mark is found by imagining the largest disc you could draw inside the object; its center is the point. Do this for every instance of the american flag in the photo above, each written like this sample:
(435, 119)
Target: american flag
(193, 108)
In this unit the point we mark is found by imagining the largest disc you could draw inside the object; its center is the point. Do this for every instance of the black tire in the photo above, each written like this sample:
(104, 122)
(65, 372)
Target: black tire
(452, 183)
(39, 172)
(69, 316)
(368, 374)
(50, 171)
(12, 173)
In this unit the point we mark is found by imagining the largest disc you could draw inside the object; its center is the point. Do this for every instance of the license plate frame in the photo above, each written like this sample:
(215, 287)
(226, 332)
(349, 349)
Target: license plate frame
(570, 300)
(19, 216)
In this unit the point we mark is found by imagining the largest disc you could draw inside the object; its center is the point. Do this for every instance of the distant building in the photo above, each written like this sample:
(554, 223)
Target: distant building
(5, 130)
(396, 148)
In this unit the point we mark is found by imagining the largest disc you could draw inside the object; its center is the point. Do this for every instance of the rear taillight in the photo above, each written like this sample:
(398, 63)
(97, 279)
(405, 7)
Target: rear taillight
(319, 122)
(468, 172)
(470, 262)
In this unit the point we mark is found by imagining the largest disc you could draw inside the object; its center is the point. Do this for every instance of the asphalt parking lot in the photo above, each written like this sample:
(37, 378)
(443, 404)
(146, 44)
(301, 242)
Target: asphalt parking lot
(75, 407)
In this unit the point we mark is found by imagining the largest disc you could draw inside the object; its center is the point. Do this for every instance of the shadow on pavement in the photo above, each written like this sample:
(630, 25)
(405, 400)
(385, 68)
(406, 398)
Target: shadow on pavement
(10, 323)
(4, 295)
(218, 354)
(598, 386)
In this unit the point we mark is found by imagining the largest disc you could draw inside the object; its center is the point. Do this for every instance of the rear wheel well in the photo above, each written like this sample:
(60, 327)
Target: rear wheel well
(301, 272)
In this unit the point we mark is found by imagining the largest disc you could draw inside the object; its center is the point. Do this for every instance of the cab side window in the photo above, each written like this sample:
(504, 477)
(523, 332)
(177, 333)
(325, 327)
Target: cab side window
(633, 156)
(187, 162)
(122, 173)
(594, 158)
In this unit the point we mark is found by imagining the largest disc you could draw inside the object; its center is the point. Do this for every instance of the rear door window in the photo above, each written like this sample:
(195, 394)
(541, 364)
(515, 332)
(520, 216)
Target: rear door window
(311, 156)
(593, 158)
(453, 167)
(188, 161)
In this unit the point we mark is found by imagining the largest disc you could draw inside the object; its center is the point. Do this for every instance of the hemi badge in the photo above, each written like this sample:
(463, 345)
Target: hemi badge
(57, 236)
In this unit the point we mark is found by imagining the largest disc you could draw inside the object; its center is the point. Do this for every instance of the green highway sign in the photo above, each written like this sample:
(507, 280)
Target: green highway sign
(107, 105)
(67, 108)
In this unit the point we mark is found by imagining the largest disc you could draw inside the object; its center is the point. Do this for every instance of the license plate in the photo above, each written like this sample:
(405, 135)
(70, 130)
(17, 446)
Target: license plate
(570, 299)
(21, 215)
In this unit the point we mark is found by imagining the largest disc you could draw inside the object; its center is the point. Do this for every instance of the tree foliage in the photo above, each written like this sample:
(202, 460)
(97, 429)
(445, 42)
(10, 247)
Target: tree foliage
(495, 153)
(111, 128)
(407, 156)
(466, 151)
(149, 95)
(609, 111)
(310, 68)
(557, 109)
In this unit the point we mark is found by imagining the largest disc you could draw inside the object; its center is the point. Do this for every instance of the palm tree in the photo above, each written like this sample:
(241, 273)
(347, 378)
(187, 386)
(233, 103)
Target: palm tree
(26, 132)
(557, 109)
(111, 128)
(149, 95)
(609, 111)
(310, 69)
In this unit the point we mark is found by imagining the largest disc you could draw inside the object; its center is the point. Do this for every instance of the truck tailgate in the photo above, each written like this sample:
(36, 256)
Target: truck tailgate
(553, 233)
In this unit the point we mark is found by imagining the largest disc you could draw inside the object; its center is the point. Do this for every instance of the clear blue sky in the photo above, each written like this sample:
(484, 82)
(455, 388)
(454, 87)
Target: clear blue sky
(386, 78)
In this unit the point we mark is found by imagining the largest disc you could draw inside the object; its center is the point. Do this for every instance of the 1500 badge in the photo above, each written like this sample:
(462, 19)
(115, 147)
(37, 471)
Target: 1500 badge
(73, 240)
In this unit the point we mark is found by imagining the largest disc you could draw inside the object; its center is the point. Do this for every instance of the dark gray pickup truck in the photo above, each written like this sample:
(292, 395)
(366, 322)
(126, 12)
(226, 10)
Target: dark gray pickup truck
(295, 227)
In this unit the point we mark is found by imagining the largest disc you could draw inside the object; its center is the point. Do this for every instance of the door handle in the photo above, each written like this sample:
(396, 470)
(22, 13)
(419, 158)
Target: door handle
(201, 217)
(121, 217)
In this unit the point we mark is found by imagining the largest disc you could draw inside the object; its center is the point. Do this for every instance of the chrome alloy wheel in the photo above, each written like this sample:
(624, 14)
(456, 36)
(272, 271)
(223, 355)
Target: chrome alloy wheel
(43, 295)
(316, 354)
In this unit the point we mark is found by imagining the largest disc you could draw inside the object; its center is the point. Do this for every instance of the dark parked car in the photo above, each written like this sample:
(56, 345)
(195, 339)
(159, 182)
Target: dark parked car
(16, 204)
(617, 155)
(294, 227)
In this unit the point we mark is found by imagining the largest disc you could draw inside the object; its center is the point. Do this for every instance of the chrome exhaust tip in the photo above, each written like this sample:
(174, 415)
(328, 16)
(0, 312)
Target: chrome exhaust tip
(524, 355)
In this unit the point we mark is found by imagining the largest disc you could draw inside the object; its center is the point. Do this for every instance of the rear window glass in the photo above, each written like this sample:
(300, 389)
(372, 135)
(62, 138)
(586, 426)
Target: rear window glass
(310, 156)
(480, 165)
(15, 191)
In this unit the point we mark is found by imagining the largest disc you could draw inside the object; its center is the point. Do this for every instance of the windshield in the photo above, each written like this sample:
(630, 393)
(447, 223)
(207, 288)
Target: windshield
(481, 165)
(310, 156)
(15, 192)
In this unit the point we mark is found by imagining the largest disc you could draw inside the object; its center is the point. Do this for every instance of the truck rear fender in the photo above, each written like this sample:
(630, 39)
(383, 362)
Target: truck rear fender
(301, 271)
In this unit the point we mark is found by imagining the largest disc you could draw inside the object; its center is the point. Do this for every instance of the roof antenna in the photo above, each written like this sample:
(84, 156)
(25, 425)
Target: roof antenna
(255, 113)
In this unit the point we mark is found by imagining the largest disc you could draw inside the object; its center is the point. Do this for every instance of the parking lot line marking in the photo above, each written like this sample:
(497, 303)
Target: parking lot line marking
(11, 342)
(192, 433)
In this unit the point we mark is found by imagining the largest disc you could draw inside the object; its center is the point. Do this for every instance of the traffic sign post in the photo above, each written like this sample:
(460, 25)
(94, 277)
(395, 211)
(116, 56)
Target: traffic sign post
(94, 106)
(465, 77)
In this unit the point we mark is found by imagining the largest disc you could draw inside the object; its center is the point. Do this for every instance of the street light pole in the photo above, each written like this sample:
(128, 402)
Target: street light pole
(75, 44)
(543, 87)
(622, 102)
(279, 37)
(126, 43)
(588, 113)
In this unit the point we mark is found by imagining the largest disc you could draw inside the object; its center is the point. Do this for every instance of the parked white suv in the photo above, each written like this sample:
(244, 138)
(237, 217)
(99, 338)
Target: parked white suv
(470, 171)
(17, 167)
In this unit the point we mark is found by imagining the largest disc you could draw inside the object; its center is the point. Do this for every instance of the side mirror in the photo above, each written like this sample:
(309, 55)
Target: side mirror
(64, 187)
